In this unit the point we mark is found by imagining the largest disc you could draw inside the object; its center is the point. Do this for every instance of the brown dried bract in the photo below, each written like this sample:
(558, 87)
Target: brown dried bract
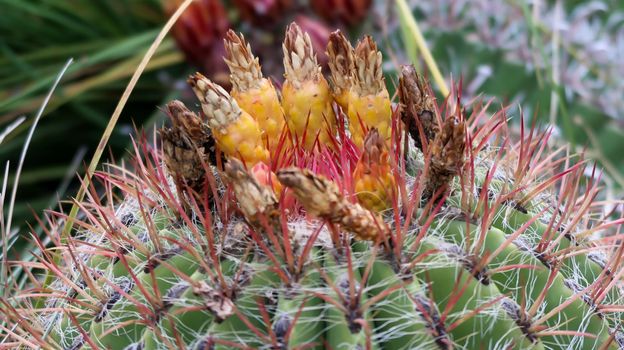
(254, 199)
(187, 146)
(447, 155)
(189, 122)
(321, 197)
(341, 62)
(418, 110)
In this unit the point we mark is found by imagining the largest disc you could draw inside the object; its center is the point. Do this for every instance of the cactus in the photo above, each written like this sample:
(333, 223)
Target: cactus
(445, 232)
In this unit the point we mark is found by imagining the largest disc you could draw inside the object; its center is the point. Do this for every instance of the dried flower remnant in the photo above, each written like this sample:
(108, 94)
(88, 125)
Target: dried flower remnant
(220, 305)
(447, 155)
(188, 146)
(319, 36)
(254, 199)
(321, 197)
(245, 70)
(418, 110)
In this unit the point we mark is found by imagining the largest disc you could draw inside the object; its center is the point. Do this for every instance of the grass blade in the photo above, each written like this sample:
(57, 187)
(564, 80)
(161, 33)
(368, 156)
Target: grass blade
(31, 131)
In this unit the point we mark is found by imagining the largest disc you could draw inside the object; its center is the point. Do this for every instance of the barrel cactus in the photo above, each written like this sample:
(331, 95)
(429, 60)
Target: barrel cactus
(328, 217)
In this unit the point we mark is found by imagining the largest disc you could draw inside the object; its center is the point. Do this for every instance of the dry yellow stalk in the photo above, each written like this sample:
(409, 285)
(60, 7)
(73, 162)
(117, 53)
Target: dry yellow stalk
(418, 110)
(254, 199)
(321, 197)
(447, 155)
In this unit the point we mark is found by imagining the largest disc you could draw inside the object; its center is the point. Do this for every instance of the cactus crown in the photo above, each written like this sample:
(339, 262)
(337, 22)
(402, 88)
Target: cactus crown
(447, 234)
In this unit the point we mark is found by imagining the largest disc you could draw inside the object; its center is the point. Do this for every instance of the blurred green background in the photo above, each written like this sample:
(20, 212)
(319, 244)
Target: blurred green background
(558, 61)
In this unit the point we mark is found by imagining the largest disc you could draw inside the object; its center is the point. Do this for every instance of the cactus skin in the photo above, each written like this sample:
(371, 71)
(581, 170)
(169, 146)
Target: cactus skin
(466, 245)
